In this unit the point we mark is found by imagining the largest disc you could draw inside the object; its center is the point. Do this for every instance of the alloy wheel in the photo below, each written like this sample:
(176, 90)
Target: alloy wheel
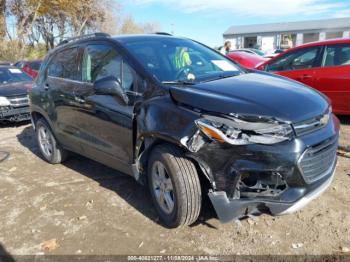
(163, 187)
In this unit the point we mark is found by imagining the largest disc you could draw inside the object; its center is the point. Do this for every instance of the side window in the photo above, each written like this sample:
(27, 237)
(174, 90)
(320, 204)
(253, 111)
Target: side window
(101, 61)
(65, 65)
(337, 55)
(302, 59)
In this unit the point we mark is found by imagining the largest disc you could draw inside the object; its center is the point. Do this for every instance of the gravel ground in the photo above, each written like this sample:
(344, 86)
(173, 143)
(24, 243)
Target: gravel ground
(82, 207)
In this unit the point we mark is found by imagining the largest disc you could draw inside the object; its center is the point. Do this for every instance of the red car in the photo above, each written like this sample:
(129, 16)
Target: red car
(246, 60)
(323, 65)
(29, 67)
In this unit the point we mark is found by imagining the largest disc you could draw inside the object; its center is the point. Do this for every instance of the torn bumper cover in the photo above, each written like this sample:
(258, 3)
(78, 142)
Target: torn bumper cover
(12, 114)
(228, 210)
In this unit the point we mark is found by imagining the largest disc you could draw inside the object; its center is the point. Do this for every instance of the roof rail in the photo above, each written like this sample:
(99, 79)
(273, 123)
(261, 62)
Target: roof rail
(71, 39)
(163, 33)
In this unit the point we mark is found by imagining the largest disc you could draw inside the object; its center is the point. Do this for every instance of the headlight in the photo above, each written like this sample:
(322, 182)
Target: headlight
(4, 101)
(237, 131)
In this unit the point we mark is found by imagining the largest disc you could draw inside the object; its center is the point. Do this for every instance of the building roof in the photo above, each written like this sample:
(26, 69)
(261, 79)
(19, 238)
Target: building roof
(326, 24)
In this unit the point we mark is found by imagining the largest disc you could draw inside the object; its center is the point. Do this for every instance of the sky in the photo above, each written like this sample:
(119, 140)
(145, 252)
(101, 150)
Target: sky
(207, 20)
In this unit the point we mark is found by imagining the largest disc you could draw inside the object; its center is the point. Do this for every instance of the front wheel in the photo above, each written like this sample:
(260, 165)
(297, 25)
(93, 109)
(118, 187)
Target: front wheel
(175, 186)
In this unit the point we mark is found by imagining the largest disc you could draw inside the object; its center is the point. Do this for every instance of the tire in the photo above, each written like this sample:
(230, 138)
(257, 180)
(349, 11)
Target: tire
(185, 189)
(48, 145)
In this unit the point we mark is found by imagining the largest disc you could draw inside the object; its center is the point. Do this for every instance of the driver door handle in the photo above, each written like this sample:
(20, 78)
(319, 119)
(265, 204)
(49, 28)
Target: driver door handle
(306, 76)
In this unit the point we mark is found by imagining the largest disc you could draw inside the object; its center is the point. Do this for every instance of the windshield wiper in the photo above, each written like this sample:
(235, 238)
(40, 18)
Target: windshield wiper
(178, 82)
(220, 77)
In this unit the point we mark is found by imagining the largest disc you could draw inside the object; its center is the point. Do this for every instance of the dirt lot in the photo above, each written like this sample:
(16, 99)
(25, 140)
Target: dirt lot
(82, 207)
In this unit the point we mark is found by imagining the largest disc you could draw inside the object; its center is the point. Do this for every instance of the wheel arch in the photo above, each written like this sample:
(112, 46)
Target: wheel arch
(146, 144)
(36, 115)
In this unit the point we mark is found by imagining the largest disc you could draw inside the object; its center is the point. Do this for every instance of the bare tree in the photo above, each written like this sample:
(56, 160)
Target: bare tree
(2, 19)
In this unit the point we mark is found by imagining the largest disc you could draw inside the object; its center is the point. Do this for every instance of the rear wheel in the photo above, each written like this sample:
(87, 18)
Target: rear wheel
(48, 145)
(175, 186)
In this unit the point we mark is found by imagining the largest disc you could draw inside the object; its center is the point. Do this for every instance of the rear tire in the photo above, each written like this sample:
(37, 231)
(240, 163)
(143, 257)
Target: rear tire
(175, 186)
(48, 145)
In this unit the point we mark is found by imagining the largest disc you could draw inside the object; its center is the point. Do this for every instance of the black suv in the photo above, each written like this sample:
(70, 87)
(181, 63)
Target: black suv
(187, 121)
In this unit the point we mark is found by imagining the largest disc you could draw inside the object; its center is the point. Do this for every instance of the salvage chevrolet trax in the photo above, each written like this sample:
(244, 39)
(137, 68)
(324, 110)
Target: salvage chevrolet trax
(187, 122)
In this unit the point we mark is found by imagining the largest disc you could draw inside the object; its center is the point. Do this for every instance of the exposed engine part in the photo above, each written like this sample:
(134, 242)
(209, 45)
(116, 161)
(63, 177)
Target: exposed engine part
(261, 184)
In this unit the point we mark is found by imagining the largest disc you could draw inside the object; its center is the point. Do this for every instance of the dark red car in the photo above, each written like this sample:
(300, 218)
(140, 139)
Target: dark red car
(29, 67)
(246, 60)
(323, 65)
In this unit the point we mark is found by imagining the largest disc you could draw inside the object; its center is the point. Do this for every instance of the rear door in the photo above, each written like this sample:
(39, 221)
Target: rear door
(298, 65)
(62, 79)
(333, 78)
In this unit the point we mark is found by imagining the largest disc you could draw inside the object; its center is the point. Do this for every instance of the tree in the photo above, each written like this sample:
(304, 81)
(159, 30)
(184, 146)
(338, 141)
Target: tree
(2, 19)
(41, 24)
(129, 26)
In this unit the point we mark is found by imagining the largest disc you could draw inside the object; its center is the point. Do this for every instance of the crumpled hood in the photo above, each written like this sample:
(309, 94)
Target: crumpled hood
(254, 93)
(14, 89)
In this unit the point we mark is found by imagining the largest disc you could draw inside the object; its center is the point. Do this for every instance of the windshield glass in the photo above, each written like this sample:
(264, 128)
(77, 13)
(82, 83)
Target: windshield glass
(174, 60)
(12, 75)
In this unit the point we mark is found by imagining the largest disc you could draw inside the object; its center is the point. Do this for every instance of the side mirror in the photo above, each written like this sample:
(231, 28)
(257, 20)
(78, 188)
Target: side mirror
(110, 86)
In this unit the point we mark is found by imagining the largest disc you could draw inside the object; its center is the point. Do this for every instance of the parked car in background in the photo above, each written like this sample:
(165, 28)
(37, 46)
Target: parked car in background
(14, 86)
(29, 67)
(274, 53)
(323, 65)
(186, 121)
(250, 51)
(247, 60)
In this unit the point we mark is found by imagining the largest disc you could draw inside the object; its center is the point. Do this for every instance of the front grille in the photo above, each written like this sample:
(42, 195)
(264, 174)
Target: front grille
(311, 125)
(19, 101)
(318, 161)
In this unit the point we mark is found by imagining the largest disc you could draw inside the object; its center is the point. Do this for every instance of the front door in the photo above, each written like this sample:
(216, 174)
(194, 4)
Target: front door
(106, 122)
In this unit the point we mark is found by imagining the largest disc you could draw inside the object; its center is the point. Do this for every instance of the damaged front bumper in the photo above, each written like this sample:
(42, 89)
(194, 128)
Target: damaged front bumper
(274, 179)
(12, 114)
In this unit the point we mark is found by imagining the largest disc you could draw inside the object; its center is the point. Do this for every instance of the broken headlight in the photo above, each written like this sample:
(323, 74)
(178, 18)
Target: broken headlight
(238, 131)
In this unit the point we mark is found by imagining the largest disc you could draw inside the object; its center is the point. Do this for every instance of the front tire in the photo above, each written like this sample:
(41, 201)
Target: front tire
(48, 145)
(175, 186)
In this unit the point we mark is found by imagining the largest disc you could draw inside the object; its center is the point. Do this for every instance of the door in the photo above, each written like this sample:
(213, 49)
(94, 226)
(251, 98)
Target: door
(333, 78)
(298, 65)
(62, 79)
(105, 121)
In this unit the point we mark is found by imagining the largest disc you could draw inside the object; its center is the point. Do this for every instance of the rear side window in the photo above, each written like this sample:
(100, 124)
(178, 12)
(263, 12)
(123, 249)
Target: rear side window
(337, 55)
(298, 60)
(65, 65)
(102, 61)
